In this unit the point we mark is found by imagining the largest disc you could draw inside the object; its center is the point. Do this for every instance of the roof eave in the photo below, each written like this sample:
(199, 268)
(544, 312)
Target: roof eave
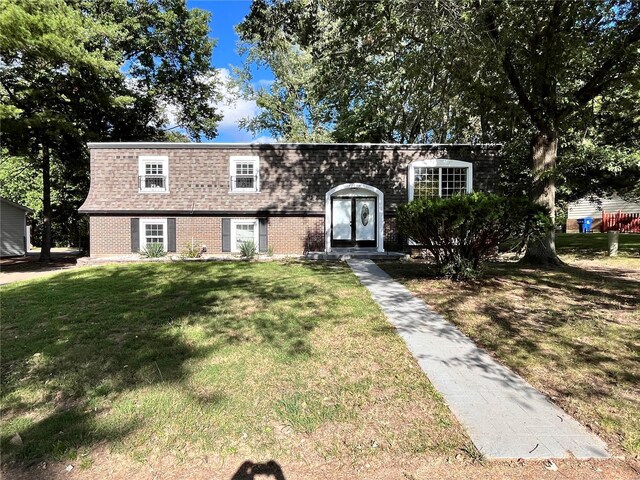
(288, 146)
(17, 205)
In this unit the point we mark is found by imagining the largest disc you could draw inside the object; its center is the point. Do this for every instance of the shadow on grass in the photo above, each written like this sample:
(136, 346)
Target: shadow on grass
(79, 337)
(30, 263)
(550, 298)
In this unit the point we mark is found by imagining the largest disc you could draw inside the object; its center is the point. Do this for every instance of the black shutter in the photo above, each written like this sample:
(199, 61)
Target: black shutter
(226, 234)
(135, 234)
(263, 234)
(171, 234)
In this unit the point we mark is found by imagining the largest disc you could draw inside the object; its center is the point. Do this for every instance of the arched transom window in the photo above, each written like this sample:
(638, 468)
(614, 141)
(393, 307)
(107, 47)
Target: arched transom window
(439, 178)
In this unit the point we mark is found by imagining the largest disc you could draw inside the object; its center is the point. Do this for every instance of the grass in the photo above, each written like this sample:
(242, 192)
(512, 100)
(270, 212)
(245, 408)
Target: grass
(571, 332)
(596, 244)
(267, 360)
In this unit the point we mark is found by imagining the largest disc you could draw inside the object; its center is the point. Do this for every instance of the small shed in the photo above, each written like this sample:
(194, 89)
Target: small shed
(14, 231)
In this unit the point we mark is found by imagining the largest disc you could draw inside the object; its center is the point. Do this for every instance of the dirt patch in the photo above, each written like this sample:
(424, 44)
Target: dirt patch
(30, 262)
(621, 268)
(236, 468)
(16, 269)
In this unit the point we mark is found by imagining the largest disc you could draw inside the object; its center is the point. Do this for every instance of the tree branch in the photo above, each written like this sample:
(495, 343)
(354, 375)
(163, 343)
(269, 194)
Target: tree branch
(601, 78)
(549, 36)
(10, 93)
(512, 74)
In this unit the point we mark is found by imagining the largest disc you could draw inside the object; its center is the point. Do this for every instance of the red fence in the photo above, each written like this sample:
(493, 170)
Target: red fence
(623, 222)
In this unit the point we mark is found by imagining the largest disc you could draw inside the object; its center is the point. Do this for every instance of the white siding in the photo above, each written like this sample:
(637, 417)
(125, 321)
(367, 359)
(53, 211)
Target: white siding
(12, 230)
(585, 208)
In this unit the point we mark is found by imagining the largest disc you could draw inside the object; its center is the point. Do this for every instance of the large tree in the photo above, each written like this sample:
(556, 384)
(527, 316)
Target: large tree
(557, 57)
(78, 71)
(500, 71)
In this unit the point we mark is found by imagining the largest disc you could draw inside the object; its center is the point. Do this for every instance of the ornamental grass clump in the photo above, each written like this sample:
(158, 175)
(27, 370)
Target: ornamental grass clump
(248, 250)
(153, 250)
(461, 232)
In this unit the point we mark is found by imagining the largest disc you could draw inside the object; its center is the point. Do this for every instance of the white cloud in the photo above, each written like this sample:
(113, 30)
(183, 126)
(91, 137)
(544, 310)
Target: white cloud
(232, 106)
(171, 112)
(264, 139)
(233, 109)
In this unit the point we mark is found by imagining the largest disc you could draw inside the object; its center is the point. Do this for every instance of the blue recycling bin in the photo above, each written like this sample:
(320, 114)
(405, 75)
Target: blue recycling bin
(584, 224)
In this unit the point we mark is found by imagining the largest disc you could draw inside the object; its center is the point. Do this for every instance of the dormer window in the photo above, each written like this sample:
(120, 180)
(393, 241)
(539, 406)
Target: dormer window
(439, 178)
(244, 174)
(153, 174)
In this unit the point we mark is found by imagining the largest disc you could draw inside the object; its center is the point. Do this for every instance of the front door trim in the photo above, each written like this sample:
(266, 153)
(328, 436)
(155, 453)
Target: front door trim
(343, 191)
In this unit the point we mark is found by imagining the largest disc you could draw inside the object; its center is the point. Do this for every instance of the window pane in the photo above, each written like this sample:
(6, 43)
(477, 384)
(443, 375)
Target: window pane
(244, 233)
(155, 229)
(425, 182)
(244, 168)
(154, 182)
(153, 169)
(454, 180)
(154, 233)
(245, 182)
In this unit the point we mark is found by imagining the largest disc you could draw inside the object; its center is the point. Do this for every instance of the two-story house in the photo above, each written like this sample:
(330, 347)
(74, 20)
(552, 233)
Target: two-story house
(294, 198)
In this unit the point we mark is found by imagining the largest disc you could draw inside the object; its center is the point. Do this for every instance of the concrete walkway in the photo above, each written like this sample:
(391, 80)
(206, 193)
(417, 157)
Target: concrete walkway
(504, 415)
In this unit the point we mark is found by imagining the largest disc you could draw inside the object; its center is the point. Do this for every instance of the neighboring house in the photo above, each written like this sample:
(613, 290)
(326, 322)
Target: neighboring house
(293, 198)
(14, 231)
(594, 208)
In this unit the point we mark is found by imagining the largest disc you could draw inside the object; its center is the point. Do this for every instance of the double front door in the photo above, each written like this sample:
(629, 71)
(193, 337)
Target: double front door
(353, 222)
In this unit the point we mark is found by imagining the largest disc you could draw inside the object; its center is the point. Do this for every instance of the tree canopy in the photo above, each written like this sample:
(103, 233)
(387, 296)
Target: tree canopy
(81, 70)
(434, 71)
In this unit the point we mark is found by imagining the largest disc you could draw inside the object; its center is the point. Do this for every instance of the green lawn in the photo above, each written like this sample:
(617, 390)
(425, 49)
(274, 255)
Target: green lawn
(596, 244)
(259, 360)
(572, 332)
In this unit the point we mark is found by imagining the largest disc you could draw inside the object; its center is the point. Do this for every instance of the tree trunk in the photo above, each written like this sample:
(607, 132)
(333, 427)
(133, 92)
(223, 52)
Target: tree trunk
(45, 252)
(544, 151)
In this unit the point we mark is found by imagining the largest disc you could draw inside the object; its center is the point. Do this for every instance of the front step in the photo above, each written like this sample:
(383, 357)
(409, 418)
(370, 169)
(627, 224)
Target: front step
(348, 255)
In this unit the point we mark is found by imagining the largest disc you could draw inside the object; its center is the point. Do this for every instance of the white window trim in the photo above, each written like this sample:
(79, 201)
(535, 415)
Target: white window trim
(143, 231)
(233, 160)
(244, 221)
(142, 161)
(439, 163)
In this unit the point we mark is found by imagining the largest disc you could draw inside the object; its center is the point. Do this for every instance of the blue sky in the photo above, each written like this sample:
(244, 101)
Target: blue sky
(225, 15)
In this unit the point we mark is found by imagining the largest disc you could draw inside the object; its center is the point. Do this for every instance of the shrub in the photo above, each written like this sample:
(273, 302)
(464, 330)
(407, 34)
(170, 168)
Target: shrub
(248, 250)
(193, 250)
(153, 250)
(463, 231)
